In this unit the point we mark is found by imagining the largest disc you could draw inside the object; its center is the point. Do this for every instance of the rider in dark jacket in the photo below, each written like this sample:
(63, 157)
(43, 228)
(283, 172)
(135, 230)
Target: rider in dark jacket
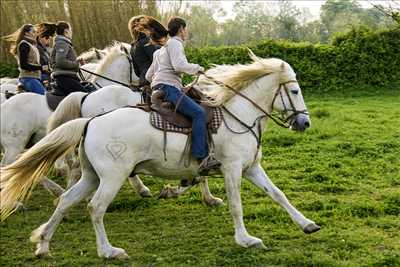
(142, 49)
(64, 62)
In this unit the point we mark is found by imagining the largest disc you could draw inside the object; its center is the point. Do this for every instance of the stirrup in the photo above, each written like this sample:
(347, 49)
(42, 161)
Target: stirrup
(209, 163)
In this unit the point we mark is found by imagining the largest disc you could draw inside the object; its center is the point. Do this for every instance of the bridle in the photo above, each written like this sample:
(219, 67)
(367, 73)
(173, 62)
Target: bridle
(285, 122)
(289, 120)
(281, 121)
(130, 60)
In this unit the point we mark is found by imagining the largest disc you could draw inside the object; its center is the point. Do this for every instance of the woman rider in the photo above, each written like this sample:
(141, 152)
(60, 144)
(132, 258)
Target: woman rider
(64, 62)
(45, 32)
(23, 47)
(165, 74)
(142, 49)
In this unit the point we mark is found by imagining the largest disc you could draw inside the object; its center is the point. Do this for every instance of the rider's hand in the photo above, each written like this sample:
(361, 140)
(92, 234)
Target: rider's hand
(45, 67)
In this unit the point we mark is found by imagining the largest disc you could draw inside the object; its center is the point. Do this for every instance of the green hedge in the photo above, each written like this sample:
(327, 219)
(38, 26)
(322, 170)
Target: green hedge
(8, 70)
(357, 59)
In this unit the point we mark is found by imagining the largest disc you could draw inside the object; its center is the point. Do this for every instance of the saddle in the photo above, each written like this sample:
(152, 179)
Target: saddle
(53, 100)
(164, 116)
(9, 94)
(20, 88)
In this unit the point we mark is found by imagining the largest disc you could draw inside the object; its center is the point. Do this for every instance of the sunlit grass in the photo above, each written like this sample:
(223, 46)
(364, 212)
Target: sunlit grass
(344, 173)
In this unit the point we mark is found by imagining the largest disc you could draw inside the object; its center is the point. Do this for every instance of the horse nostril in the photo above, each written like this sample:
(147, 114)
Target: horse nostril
(307, 124)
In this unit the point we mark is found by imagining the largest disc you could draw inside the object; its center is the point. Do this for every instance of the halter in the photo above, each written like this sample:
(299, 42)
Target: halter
(130, 60)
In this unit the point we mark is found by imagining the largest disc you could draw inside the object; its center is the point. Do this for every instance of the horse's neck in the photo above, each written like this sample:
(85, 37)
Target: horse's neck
(90, 67)
(262, 92)
(118, 70)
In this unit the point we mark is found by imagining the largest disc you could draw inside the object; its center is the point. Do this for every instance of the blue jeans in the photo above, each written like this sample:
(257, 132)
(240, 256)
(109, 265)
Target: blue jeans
(33, 85)
(190, 108)
(44, 77)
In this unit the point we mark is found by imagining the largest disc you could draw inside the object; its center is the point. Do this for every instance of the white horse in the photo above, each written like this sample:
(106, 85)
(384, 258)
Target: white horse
(2, 98)
(24, 117)
(7, 80)
(121, 142)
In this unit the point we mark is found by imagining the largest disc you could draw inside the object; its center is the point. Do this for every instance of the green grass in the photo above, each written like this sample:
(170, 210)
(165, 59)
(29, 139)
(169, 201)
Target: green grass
(344, 173)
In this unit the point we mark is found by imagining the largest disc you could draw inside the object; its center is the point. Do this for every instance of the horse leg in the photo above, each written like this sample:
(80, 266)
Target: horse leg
(11, 152)
(52, 187)
(232, 174)
(207, 197)
(74, 195)
(109, 186)
(259, 178)
(138, 185)
(73, 169)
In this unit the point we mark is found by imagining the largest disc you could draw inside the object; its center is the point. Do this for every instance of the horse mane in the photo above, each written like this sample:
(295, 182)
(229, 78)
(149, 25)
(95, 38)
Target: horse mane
(92, 53)
(114, 51)
(238, 76)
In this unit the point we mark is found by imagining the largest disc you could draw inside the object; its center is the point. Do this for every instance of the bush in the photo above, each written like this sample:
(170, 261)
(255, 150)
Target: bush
(8, 70)
(357, 59)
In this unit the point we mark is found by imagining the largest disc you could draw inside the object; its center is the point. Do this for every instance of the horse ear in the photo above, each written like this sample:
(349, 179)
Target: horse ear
(252, 55)
(98, 55)
(282, 66)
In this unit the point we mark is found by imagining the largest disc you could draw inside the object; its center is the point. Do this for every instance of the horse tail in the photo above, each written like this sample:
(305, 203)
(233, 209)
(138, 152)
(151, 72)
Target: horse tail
(68, 109)
(19, 178)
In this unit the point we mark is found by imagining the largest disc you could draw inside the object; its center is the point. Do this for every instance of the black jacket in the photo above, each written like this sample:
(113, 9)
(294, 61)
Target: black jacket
(142, 55)
(63, 58)
(44, 55)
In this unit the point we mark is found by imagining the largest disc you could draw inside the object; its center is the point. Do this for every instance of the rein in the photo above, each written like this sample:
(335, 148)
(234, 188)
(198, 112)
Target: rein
(130, 85)
(281, 122)
(106, 78)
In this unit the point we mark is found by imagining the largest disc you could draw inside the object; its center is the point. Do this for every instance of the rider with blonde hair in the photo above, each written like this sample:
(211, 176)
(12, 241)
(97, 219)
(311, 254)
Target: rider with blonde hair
(142, 49)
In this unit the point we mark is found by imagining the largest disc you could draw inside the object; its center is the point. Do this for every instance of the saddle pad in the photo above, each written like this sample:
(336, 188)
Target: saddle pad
(157, 122)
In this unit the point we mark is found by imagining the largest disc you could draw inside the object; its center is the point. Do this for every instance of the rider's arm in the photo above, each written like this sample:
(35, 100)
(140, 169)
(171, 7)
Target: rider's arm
(23, 58)
(62, 61)
(178, 59)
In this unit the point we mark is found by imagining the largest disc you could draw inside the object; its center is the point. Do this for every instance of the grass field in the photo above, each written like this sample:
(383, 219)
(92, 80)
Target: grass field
(343, 173)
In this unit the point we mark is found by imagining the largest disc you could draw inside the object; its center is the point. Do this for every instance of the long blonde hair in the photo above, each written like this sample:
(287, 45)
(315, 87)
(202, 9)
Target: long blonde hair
(133, 27)
(16, 37)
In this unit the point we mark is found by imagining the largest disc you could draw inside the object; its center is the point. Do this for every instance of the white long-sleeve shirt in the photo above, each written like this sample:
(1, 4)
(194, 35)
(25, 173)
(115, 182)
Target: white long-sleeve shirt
(169, 63)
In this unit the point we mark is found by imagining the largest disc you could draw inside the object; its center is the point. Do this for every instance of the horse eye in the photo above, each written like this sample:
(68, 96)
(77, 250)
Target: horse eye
(295, 92)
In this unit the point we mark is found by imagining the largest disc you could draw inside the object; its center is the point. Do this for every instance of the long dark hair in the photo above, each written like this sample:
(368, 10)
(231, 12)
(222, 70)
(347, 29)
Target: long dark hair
(46, 29)
(49, 29)
(174, 25)
(158, 33)
(16, 37)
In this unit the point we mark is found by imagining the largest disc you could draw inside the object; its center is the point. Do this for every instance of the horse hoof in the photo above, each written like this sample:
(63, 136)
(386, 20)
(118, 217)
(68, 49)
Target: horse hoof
(167, 192)
(215, 202)
(311, 228)
(122, 256)
(42, 252)
(146, 194)
(118, 253)
(259, 245)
